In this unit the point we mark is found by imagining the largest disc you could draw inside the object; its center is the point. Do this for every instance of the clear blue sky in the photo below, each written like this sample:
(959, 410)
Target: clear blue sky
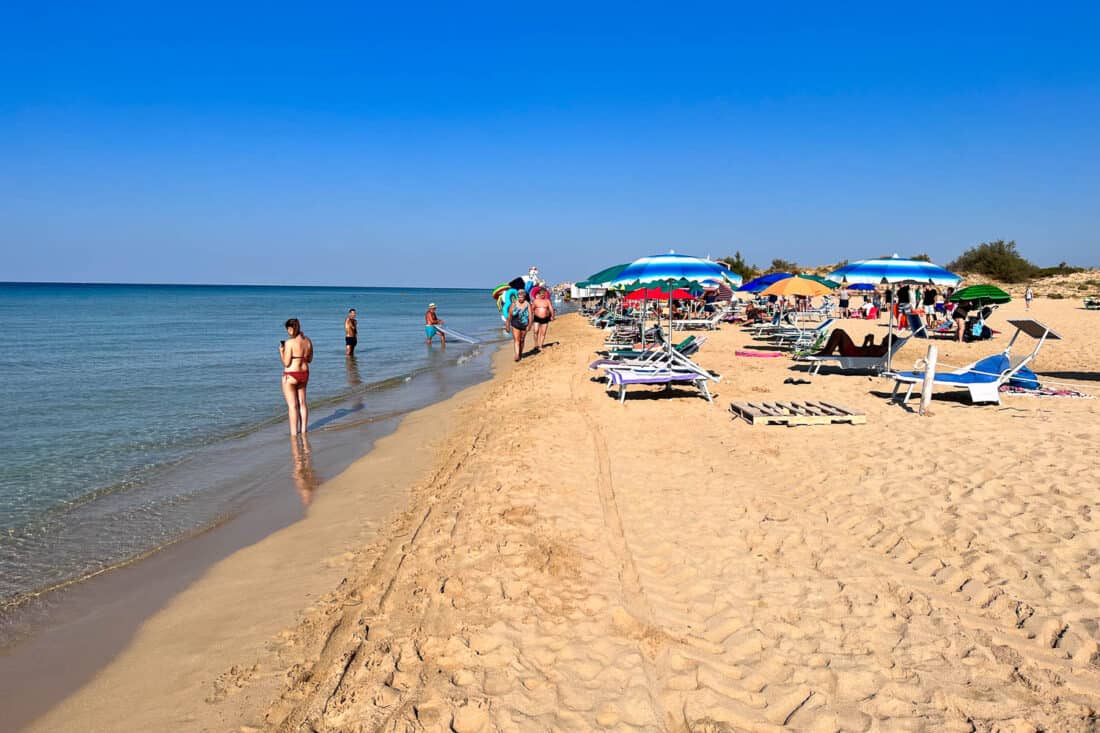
(458, 144)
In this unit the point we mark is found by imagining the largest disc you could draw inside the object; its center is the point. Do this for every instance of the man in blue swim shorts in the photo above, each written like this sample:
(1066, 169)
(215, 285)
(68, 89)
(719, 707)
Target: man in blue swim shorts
(431, 320)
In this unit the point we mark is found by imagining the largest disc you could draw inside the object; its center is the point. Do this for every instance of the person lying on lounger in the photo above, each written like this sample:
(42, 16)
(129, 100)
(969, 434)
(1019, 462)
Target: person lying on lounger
(841, 343)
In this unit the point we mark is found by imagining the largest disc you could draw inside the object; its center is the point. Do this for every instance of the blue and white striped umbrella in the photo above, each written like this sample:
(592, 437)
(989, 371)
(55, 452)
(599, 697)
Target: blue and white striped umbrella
(889, 270)
(650, 271)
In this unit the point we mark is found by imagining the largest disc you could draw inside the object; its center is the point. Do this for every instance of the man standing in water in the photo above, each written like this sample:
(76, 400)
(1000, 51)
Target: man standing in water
(431, 320)
(351, 332)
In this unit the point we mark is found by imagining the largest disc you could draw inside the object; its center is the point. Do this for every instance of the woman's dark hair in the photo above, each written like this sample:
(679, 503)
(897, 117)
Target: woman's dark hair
(293, 324)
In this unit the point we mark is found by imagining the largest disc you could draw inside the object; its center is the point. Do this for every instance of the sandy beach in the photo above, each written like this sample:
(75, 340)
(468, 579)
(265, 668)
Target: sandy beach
(532, 555)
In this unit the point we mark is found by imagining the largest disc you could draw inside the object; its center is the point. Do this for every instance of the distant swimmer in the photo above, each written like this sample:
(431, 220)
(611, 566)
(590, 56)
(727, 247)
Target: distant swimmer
(543, 308)
(431, 320)
(351, 332)
(296, 353)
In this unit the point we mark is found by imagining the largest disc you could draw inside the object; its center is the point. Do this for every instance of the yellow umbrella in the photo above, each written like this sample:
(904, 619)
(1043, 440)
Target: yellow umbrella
(796, 285)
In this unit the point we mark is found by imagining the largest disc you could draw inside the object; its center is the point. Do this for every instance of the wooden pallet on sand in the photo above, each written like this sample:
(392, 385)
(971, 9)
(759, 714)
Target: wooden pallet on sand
(791, 413)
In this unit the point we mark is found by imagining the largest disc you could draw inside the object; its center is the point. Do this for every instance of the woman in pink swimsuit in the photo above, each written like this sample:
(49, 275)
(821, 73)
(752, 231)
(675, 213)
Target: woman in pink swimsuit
(296, 353)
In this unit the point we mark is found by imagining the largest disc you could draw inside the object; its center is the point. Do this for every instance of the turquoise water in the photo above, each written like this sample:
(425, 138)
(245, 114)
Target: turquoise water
(138, 414)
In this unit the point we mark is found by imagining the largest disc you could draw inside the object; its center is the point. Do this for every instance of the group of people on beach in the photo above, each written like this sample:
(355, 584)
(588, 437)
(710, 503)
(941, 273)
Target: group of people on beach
(296, 351)
(529, 316)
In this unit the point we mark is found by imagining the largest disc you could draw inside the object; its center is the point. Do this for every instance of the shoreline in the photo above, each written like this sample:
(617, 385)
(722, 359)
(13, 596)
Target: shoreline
(106, 628)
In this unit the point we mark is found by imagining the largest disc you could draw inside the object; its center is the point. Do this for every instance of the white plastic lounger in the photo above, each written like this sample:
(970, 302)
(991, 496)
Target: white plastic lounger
(651, 357)
(623, 378)
(706, 323)
(872, 364)
(795, 337)
(675, 367)
(983, 378)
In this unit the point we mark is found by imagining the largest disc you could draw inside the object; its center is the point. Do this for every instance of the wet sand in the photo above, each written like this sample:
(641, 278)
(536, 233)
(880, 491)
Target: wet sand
(560, 561)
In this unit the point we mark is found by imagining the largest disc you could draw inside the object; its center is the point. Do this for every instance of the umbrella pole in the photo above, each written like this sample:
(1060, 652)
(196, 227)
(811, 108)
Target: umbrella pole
(669, 340)
(890, 334)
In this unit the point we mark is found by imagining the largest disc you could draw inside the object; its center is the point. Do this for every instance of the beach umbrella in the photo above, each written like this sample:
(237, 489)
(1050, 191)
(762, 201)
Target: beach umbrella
(672, 271)
(861, 286)
(797, 285)
(981, 295)
(892, 271)
(759, 283)
(660, 294)
(659, 269)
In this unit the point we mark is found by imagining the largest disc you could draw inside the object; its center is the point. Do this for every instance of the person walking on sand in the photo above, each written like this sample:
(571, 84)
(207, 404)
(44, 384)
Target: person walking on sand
(351, 332)
(431, 320)
(296, 353)
(1028, 295)
(519, 319)
(543, 313)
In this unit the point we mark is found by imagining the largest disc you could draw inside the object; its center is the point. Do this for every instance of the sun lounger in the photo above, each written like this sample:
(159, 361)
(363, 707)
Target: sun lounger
(983, 378)
(795, 337)
(709, 324)
(671, 368)
(649, 357)
(623, 378)
(872, 364)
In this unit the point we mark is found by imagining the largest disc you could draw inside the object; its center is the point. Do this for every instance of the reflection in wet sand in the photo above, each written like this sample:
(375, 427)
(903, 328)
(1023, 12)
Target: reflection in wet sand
(305, 478)
(354, 380)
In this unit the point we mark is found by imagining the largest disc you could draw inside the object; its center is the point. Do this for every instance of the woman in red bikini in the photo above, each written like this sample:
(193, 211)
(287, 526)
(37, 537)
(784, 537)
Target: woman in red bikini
(296, 353)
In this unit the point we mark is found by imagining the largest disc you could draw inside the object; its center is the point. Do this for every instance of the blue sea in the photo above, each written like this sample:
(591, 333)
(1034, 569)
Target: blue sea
(137, 415)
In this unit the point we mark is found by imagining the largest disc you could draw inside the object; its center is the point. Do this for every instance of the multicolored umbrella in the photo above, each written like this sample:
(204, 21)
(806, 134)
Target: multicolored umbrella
(672, 271)
(894, 270)
(660, 269)
(981, 295)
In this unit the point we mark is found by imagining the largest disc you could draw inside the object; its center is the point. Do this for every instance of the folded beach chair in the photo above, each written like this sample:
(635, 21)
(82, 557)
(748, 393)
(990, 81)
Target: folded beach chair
(800, 337)
(872, 364)
(983, 378)
(709, 324)
(657, 355)
(674, 368)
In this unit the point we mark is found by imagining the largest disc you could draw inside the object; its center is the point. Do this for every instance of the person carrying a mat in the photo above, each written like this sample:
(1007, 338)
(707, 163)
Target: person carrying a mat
(431, 320)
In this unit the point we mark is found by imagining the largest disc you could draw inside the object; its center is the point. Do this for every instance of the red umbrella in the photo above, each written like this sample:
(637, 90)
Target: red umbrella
(659, 294)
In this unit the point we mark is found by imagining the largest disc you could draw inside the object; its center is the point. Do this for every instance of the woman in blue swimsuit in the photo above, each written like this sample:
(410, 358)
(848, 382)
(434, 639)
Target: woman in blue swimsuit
(519, 318)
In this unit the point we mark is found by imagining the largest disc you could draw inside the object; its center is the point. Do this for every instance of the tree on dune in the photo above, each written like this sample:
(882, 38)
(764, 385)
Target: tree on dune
(737, 264)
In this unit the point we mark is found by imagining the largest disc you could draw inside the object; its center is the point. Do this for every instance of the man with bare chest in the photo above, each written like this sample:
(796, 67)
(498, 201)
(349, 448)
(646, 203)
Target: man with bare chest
(351, 332)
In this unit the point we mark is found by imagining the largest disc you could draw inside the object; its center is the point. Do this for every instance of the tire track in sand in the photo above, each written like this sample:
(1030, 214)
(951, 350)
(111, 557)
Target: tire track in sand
(638, 620)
